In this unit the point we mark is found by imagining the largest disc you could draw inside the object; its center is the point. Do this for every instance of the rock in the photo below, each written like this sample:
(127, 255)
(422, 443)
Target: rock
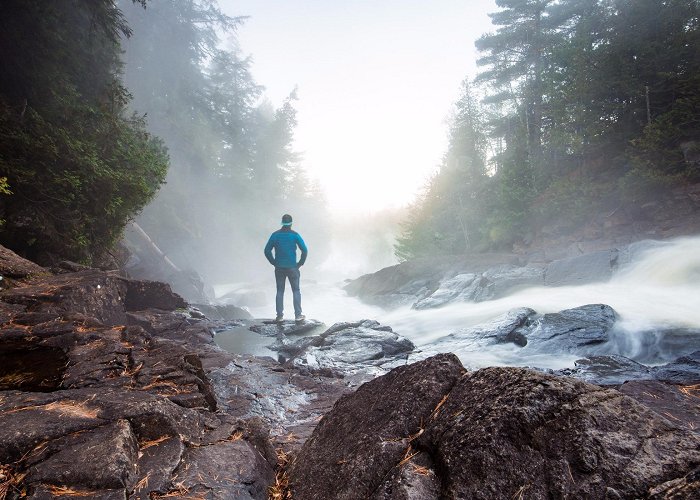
(50, 492)
(271, 329)
(103, 403)
(494, 433)
(572, 330)
(68, 266)
(541, 436)
(682, 488)
(506, 279)
(503, 329)
(31, 368)
(350, 347)
(157, 321)
(683, 370)
(15, 267)
(658, 345)
(103, 458)
(635, 251)
(586, 268)
(142, 295)
(222, 312)
(289, 402)
(367, 433)
(157, 461)
(677, 403)
(463, 287)
(208, 470)
(93, 293)
(417, 480)
(43, 418)
(405, 283)
(245, 297)
(607, 370)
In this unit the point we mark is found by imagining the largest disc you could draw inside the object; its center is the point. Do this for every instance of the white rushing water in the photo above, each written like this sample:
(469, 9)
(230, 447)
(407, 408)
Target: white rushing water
(659, 290)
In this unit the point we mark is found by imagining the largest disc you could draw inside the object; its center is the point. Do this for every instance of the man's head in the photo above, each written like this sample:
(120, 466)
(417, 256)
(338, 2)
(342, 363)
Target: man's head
(286, 220)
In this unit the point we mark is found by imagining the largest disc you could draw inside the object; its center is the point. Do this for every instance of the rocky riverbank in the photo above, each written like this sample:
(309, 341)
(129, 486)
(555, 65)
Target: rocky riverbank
(433, 283)
(114, 388)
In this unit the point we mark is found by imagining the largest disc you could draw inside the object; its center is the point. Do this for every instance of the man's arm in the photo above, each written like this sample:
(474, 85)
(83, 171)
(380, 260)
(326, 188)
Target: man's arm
(304, 251)
(268, 250)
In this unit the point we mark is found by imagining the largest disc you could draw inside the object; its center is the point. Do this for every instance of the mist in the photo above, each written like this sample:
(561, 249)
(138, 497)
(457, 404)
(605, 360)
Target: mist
(233, 167)
(510, 175)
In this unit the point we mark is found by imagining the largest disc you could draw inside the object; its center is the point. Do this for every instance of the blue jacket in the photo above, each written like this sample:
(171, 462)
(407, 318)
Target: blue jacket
(285, 243)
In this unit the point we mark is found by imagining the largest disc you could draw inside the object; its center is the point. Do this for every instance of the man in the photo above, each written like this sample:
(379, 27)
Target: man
(285, 242)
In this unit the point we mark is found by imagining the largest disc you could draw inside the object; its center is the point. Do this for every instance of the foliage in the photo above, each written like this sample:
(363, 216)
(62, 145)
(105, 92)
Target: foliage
(78, 164)
(585, 101)
(233, 170)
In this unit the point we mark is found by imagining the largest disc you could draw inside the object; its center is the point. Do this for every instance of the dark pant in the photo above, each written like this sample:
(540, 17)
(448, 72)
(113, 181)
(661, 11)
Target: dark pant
(281, 275)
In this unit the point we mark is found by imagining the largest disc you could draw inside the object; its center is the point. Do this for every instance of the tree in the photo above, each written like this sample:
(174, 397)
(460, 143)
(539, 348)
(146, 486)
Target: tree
(516, 58)
(77, 162)
(233, 167)
(448, 217)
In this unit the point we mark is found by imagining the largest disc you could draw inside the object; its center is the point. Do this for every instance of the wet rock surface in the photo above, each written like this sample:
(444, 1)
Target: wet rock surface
(270, 328)
(587, 268)
(357, 444)
(507, 328)
(571, 330)
(346, 349)
(427, 284)
(114, 388)
(110, 388)
(412, 281)
(616, 370)
(494, 433)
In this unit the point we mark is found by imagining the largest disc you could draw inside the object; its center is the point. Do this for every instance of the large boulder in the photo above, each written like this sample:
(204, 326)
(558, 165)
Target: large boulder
(572, 330)
(95, 293)
(497, 433)
(367, 433)
(411, 281)
(505, 432)
(142, 295)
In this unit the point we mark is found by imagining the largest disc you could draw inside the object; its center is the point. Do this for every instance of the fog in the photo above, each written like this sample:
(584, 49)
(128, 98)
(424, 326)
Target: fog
(657, 292)
(333, 139)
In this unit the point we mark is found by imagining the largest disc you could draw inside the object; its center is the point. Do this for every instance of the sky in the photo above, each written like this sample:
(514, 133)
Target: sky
(375, 79)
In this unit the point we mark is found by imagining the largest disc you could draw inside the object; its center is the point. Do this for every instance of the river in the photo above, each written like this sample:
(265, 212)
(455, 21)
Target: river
(658, 291)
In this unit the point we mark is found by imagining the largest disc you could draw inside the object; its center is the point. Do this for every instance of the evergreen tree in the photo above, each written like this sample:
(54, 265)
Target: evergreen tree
(78, 164)
(233, 171)
(589, 104)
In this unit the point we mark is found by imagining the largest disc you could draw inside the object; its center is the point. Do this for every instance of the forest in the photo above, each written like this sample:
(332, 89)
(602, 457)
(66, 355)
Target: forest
(146, 111)
(579, 107)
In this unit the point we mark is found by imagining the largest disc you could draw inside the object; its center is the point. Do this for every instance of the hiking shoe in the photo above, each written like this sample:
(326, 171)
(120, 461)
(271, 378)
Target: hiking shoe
(279, 318)
(300, 318)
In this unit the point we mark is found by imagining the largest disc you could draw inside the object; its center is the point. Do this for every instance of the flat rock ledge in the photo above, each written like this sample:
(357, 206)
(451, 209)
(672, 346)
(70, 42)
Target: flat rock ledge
(111, 389)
